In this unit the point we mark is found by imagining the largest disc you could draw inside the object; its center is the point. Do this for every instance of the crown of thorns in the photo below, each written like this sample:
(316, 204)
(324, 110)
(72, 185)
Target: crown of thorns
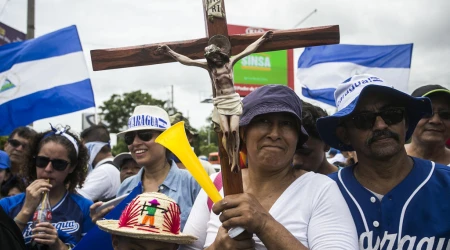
(218, 44)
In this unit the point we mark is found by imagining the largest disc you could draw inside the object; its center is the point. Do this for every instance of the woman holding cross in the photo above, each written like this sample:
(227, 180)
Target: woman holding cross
(278, 209)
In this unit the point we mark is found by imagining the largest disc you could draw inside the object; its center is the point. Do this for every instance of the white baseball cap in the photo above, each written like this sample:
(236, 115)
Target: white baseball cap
(146, 117)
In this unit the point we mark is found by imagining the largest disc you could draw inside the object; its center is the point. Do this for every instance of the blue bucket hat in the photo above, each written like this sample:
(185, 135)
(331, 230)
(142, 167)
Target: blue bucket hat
(273, 99)
(347, 95)
(5, 163)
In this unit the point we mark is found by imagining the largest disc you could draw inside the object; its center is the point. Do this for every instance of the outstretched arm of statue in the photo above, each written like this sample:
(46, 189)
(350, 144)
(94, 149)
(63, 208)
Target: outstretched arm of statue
(252, 47)
(180, 58)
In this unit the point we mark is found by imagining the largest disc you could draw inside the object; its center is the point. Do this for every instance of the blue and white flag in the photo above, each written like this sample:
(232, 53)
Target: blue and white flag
(322, 68)
(41, 78)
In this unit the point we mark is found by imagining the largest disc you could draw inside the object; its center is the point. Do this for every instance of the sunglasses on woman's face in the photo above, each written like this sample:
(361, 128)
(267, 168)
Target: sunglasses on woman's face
(366, 120)
(16, 143)
(144, 135)
(57, 164)
(443, 115)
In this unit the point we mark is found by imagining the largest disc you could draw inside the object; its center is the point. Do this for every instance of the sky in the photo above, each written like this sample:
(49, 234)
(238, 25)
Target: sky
(118, 23)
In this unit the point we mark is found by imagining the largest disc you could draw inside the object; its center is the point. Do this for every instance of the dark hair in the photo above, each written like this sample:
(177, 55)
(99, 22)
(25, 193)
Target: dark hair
(97, 133)
(14, 181)
(126, 161)
(80, 161)
(310, 114)
(24, 132)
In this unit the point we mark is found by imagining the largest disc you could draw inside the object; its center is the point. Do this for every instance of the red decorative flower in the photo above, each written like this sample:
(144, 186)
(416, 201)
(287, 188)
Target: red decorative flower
(130, 214)
(172, 221)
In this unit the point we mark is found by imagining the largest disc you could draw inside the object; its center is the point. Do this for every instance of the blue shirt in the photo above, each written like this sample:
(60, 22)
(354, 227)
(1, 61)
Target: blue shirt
(70, 216)
(413, 215)
(178, 185)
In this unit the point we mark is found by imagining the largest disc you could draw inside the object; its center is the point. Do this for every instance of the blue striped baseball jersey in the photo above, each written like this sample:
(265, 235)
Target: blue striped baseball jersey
(70, 216)
(414, 215)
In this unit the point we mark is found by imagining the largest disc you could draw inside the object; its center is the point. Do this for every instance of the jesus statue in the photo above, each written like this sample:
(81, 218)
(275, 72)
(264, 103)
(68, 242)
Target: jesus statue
(227, 103)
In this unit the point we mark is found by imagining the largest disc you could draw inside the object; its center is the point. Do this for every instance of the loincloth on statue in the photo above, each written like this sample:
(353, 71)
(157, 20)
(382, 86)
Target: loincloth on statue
(226, 105)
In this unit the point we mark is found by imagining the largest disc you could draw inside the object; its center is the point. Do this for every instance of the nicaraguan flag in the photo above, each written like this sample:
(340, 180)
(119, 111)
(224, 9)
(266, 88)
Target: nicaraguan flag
(322, 68)
(43, 77)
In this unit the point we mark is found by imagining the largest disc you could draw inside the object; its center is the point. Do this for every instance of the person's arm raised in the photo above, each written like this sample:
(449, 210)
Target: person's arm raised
(252, 47)
(180, 58)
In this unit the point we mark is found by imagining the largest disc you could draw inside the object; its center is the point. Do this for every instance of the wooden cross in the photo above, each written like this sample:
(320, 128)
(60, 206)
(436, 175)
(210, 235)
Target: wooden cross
(216, 23)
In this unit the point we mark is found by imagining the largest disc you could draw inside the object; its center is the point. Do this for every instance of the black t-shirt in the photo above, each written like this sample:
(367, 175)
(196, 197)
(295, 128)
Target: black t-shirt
(10, 236)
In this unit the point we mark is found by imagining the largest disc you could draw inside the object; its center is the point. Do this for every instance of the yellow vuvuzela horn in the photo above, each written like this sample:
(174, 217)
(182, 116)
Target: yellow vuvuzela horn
(175, 139)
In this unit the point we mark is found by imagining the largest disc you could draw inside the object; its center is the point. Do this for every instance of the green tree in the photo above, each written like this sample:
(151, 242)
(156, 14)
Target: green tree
(3, 140)
(120, 147)
(119, 108)
(206, 149)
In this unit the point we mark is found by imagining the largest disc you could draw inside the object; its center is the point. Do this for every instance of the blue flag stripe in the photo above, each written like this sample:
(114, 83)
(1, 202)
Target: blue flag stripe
(386, 56)
(46, 103)
(322, 95)
(57, 43)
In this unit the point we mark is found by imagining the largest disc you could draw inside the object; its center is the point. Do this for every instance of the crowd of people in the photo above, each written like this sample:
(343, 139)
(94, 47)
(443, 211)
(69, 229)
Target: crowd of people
(373, 175)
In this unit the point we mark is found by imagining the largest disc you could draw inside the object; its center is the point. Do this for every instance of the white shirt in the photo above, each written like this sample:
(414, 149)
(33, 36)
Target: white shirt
(311, 208)
(102, 182)
(338, 157)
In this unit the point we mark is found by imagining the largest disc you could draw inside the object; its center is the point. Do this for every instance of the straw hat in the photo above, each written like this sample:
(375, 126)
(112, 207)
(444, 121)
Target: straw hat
(135, 223)
(147, 117)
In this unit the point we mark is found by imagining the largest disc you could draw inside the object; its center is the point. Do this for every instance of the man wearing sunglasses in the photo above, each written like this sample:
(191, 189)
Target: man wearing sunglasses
(432, 131)
(397, 201)
(18, 148)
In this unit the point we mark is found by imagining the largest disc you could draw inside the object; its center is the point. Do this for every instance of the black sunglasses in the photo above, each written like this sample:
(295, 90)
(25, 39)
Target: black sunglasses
(443, 114)
(57, 164)
(144, 135)
(16, 143)
(366, 120)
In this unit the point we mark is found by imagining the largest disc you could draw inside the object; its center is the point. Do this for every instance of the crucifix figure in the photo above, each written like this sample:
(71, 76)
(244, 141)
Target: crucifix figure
(227, 103)
(216, 27)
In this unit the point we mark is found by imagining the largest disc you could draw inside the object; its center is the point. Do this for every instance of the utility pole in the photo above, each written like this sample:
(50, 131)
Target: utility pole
(30, 19)
(304, 19)
(171, 98)
(30, 26)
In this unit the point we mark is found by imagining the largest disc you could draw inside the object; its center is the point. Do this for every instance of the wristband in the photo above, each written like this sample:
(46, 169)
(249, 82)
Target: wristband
(21, 223)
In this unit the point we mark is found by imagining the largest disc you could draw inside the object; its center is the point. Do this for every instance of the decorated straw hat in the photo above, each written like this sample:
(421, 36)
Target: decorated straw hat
(149, 216)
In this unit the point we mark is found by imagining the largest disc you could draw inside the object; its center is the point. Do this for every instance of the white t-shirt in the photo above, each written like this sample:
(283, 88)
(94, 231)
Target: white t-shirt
(102, 182)
(337, 158)
(311, 208)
